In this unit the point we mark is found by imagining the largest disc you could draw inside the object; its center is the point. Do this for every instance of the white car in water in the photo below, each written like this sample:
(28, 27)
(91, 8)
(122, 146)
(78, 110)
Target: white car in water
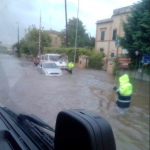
(49, 69)
(60, 61)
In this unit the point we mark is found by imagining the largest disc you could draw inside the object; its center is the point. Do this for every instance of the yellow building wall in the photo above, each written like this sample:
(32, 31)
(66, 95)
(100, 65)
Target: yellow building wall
(103, 45)
(109, 44)
(113, 49)
(55, 40)
(103, 27)
(123, 19)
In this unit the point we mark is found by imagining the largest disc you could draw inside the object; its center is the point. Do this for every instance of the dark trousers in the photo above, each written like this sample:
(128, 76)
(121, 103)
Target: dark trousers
(70, 71)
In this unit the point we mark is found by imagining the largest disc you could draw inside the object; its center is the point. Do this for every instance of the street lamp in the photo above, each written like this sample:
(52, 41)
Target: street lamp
(136, 53)
(18, 40)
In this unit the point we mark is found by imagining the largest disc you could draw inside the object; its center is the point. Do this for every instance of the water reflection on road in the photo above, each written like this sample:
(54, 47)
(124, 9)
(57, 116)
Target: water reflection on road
(30, 92)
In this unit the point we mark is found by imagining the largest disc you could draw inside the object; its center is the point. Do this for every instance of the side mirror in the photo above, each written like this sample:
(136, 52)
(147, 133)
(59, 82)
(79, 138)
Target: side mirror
(82, 130)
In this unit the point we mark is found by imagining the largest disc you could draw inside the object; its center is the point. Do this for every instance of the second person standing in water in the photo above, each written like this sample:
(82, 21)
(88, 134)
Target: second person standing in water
(70, 67)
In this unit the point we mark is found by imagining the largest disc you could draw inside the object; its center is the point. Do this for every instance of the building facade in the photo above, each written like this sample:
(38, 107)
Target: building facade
(106, 32)
(55, 39)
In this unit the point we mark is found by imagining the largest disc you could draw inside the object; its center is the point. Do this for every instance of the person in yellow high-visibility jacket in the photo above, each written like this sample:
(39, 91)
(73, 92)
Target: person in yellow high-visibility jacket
(124, 93)
(70, 67)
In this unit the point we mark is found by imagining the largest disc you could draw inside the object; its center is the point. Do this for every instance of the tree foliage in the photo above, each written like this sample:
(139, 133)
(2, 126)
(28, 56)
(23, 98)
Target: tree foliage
(29, 44)
(95, 60)
(83, 39)
(137, 29)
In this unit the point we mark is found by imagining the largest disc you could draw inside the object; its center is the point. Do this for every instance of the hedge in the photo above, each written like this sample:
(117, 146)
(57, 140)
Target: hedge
(95, 58)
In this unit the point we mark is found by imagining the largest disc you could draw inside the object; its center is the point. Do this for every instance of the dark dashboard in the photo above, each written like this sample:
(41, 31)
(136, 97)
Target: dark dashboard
(11, 136)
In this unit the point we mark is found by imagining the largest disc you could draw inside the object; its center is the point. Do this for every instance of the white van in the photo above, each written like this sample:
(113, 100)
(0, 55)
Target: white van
(57, 58)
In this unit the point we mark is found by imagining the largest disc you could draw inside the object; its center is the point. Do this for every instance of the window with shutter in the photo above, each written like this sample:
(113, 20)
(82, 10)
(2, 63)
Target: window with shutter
(102, 35)
(112, 55)
(114, 34)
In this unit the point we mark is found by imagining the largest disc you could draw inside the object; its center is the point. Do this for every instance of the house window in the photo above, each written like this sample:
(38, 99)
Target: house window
(102, 35)
(101, 49)
(114, 34)
(112, 55)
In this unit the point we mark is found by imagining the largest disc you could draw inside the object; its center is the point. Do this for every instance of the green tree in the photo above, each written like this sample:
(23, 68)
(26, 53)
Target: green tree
(137, 29)
(91, 43)
(83, 39)
(30, 42)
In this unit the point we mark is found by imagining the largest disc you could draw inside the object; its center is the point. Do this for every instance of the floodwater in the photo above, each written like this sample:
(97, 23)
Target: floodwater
(22, 88)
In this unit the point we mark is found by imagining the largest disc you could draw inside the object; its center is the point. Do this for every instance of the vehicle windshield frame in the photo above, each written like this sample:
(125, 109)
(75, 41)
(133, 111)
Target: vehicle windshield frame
(55, 58)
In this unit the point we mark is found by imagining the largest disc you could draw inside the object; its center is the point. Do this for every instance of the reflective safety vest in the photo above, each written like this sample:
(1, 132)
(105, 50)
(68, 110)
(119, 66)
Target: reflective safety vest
(125, 86)
(70, 65)
(124, 92)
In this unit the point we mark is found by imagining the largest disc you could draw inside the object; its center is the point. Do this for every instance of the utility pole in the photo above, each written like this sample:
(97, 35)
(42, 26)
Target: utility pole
(18, 40)
(40, 37)
(76, 35)
(66, 24)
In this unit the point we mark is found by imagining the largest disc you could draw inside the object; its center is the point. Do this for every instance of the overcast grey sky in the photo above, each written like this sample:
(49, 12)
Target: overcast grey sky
(27, 12)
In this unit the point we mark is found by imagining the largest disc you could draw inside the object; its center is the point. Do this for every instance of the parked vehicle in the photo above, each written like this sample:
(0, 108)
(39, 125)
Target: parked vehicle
(59, 59)
(11, 53)
(49, 69)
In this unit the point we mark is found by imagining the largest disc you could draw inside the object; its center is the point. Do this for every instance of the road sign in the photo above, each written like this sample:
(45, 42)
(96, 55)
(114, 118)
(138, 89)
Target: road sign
(124, 59)
(124, 62)
(145, 59)
(117, 42)
(124, 66)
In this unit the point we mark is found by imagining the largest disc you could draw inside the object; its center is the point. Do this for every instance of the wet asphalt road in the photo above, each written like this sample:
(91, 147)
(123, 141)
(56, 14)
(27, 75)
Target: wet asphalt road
(23, 89)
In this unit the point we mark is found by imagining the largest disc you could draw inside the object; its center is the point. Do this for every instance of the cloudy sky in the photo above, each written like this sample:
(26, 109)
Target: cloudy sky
(27, 12)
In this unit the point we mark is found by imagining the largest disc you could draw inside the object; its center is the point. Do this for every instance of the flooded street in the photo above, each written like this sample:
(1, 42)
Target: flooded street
(22, 88)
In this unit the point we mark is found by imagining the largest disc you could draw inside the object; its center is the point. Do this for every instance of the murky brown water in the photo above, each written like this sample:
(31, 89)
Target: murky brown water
(28, 91)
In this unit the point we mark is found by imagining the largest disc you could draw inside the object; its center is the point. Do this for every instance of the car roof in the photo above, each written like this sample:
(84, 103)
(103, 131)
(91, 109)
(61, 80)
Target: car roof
(53, 54)
(50, 62)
